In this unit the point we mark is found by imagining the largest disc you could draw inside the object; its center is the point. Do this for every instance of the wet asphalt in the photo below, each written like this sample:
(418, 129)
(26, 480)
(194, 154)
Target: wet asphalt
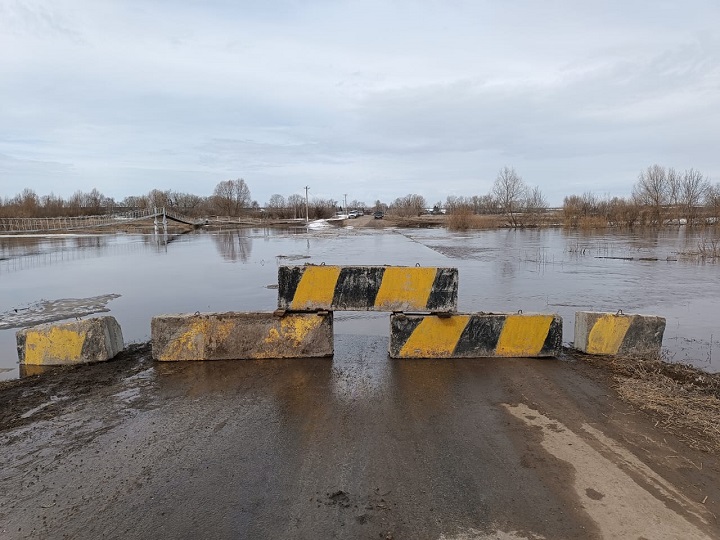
(355, 446)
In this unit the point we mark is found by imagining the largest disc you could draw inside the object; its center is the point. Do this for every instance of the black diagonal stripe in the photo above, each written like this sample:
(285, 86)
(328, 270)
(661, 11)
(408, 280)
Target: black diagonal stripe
(443, 296)
(644, 336)
(90, 340)
(357, 287)
(288, 279)
(480, 336)
(401, 328)
(21, 340)
(553, 340)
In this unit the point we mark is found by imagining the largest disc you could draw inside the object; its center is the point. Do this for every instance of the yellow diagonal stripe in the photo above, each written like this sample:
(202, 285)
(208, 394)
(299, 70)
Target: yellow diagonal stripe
(317, 286)
(405, 289)
(523, 335)
(607, 334)
(435, 337)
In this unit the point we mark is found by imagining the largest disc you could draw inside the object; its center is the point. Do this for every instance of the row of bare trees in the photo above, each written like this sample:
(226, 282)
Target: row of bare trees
(293, 207)
(671, 194)
(661, 196)
(408, 206)
(29, 204)
(510, 196)
(229, 198)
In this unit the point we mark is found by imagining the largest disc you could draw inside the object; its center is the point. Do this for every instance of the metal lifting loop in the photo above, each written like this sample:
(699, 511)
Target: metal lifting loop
(619, 313)
(520, 312)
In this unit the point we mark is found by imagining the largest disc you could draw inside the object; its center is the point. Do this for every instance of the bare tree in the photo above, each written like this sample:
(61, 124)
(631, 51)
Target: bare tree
(186, 203)
(535, 202)
(410, 205)
(159, 199)
(134, 201)
(651, 189)
(276, 205)
(321, 208)
(296, 203)
(455, 203)
(712, 200)
(674, 189)
(28, 203)
(231, 197)
(485, 204)
(509, 190)
(356, 205)
(693, 188)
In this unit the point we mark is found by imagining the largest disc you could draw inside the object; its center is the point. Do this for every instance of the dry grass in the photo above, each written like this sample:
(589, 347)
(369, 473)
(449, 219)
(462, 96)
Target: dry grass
(460, 220)
(423, 221)
(682, 399)
(463, 220)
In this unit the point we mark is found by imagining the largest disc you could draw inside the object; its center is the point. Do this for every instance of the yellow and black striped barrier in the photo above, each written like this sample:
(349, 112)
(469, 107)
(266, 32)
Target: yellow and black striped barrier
(237, 335)
(464, 335)
(618, 334)
(367, 288)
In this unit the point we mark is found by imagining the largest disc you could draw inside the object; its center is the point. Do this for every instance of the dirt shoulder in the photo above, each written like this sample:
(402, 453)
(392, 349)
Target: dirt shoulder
(679, 399)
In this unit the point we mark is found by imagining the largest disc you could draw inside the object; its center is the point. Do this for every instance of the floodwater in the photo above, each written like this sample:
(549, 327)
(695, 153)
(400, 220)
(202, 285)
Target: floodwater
(134, 277)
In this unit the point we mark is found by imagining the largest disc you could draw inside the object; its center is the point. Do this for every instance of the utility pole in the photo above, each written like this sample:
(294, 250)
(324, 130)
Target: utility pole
(306, 203)
(345, 207)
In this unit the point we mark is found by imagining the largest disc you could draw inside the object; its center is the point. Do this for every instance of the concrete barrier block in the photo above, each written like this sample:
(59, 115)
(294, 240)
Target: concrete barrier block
(367, 288)
(618, 334)
(235, 336)
(472, 335)
(77, 342)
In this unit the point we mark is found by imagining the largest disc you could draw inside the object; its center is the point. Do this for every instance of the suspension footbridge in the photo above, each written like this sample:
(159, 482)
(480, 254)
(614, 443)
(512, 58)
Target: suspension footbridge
(160, 216)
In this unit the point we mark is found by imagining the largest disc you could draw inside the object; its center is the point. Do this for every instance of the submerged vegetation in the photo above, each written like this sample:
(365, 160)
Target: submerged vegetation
(708, 249)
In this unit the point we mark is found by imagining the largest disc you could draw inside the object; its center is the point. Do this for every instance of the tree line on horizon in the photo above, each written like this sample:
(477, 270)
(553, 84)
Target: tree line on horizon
(660, 195)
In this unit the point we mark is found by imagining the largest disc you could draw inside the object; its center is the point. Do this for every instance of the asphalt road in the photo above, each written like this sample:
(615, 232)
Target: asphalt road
(357, 446)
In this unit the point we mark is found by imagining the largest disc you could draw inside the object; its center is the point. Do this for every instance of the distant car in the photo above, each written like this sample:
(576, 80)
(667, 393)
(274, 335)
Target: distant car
(378, 215)
(354, 214)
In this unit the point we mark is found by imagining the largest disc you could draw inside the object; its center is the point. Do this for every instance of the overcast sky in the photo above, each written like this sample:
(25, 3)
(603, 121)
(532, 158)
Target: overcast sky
(376, 99)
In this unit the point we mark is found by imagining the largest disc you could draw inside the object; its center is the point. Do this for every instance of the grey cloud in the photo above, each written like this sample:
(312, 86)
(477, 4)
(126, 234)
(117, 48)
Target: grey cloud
(384, 98)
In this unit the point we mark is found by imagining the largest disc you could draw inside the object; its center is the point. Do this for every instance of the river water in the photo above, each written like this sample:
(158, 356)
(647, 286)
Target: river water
(539, 270)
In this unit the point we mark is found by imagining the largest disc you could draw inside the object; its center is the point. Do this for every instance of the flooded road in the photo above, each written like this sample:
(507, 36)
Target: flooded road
(353, 446)
(549, 270)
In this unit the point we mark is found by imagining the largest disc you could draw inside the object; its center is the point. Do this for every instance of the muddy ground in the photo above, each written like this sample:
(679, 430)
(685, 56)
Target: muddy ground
(357, 446)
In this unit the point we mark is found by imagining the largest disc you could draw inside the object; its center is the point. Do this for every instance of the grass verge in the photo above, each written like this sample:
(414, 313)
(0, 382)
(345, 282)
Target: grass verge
(682, 399)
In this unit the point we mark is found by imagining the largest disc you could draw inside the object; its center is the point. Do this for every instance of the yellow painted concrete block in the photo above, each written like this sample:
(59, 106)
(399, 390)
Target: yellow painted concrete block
(234, 335)
(77, 342)
(618, 333)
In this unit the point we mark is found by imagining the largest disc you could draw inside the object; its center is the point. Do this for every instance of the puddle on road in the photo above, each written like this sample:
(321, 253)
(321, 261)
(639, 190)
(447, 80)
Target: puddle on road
(541, 270)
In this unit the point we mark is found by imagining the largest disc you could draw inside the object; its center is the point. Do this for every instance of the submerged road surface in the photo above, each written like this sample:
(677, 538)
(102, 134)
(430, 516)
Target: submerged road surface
(357, 446)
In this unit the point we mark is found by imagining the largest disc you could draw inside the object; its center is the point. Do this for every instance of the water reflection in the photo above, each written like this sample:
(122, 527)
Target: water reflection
(500, 271)
(21, 253)
(233, 245)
